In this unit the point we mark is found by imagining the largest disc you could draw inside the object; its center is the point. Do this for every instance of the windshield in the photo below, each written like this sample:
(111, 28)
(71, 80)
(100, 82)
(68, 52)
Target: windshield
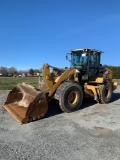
(79, 59)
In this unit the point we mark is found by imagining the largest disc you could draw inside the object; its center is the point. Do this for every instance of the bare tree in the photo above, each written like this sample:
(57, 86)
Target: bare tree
(4, 71)
(12, 71)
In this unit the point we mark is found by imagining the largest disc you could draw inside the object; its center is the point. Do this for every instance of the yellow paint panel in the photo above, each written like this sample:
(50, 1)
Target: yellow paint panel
(99, 80)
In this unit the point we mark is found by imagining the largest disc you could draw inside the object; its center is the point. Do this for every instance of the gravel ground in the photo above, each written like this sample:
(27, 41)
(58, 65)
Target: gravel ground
(88, 134)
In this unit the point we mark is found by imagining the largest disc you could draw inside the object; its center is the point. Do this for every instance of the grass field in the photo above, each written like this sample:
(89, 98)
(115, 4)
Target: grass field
(7, 83)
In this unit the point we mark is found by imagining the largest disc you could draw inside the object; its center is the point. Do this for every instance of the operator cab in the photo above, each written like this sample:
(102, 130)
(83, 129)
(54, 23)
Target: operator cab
(86, 61)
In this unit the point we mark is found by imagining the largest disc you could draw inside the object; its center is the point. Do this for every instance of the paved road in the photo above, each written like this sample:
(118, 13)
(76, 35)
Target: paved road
(92, 133)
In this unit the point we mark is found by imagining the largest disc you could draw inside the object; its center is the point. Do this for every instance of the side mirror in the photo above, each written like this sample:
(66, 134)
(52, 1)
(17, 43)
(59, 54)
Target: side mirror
(67, 56)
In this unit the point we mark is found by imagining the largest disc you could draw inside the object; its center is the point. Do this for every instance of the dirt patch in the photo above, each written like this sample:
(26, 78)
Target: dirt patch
(103, 130)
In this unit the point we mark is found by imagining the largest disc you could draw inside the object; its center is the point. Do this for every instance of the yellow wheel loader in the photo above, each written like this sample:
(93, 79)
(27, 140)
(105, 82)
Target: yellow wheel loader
(85, 77)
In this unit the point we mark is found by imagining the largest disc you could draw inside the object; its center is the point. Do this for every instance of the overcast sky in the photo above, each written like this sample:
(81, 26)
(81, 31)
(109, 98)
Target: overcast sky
(33, 32)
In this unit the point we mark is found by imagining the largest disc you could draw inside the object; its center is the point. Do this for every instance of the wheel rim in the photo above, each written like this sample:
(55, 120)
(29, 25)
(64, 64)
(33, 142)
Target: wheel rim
(72, 98)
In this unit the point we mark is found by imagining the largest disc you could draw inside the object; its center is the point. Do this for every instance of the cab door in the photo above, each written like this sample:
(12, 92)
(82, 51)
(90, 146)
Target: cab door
(94, 63)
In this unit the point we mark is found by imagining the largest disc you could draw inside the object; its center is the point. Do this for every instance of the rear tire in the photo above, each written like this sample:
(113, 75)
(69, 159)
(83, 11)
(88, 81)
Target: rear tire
(105, 93)
(70, 96)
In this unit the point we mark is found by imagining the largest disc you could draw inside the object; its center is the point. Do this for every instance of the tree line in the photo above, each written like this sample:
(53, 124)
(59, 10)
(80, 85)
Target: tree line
(12, 71)
(115, 71)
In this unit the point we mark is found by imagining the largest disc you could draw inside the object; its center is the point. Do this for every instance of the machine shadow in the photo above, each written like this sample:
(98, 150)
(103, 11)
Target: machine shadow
(115, 97)
(54, 108)
(88, 102)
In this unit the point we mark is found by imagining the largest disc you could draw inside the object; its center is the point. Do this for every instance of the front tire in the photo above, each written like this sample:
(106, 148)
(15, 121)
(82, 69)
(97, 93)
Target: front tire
(70, 96)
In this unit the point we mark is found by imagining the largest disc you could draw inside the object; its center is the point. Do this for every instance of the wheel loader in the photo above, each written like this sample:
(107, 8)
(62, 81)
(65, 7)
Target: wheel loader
(68, 86)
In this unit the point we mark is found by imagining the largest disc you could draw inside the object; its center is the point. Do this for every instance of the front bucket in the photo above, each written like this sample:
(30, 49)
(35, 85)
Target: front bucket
(26, 104)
